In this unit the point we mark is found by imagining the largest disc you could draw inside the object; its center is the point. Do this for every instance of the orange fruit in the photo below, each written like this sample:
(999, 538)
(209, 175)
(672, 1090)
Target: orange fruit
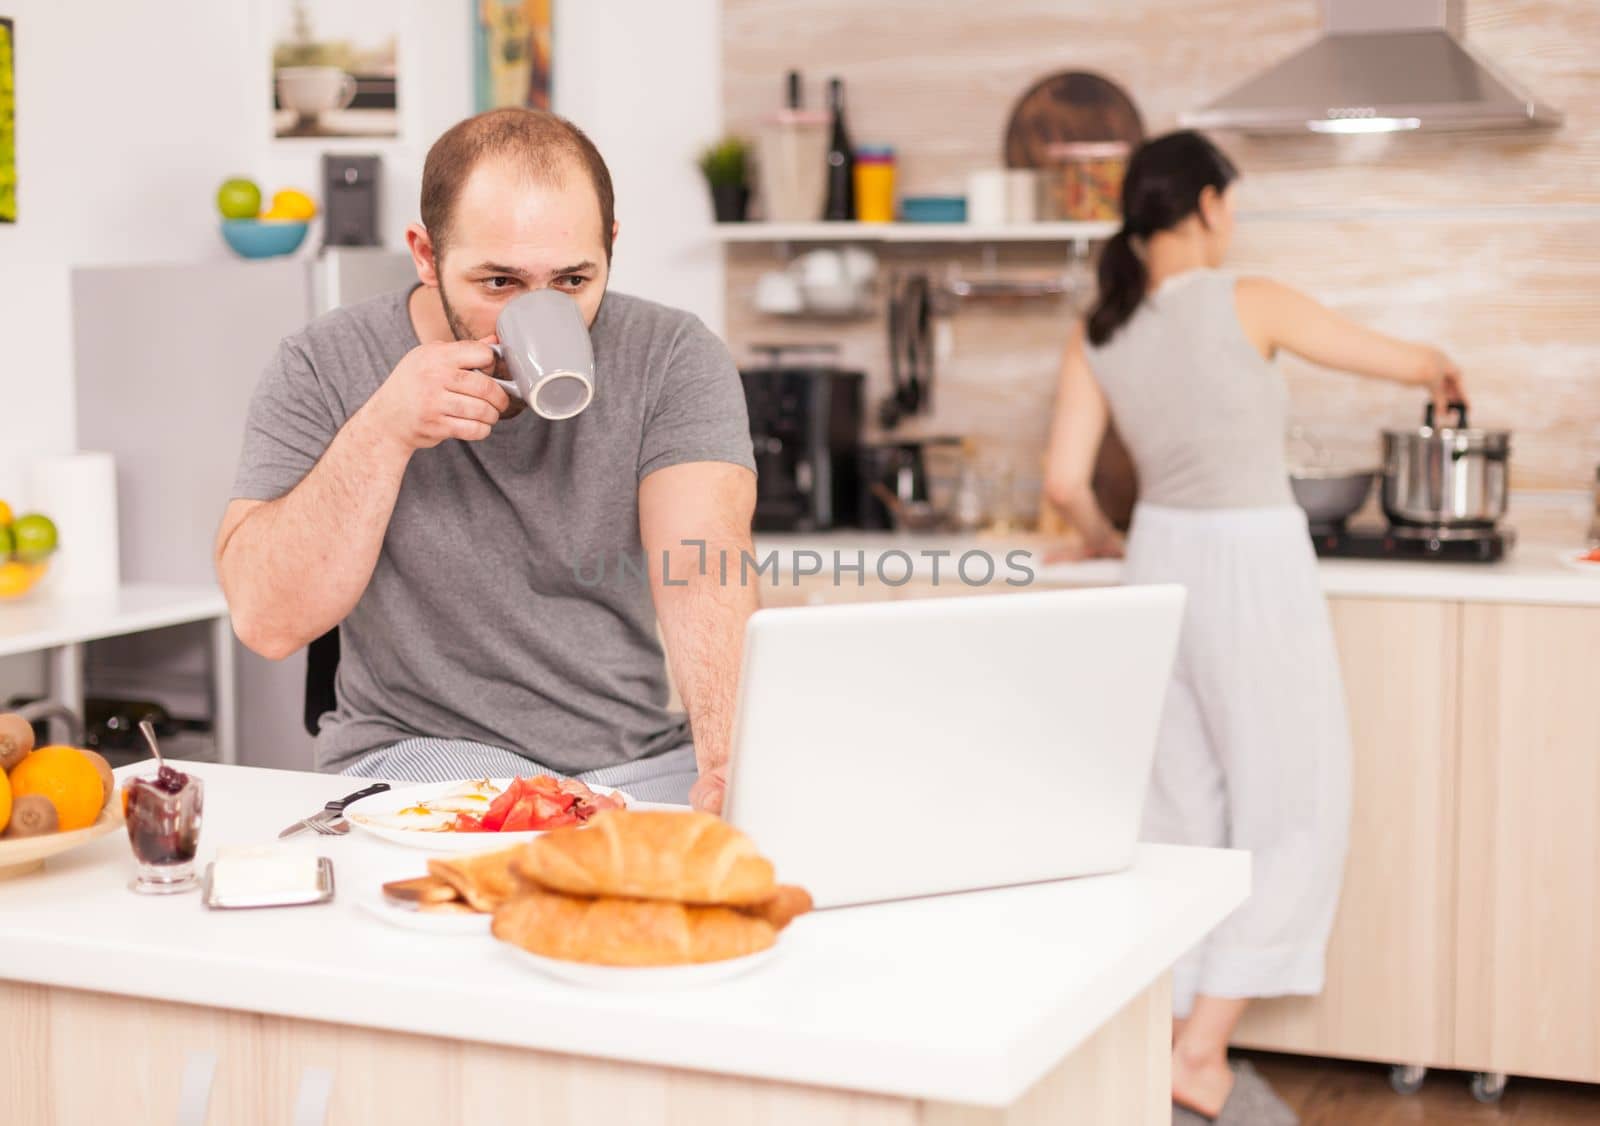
(5, 803)
(68, 779)
(17, 579)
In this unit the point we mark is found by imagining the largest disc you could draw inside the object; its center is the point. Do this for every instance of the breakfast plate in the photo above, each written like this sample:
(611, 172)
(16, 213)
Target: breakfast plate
(427, 816)
(463, 922)
(640, 978)
(1586, 560)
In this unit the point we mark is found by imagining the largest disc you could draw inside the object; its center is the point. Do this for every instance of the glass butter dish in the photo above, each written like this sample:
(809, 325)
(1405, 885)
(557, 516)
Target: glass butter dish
(267, 877)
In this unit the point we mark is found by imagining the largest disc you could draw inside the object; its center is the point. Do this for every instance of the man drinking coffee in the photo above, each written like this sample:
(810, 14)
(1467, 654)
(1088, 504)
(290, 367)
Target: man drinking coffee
(497, 577)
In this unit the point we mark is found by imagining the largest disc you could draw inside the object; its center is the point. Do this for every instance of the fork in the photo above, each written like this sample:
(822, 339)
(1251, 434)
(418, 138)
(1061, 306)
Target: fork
(335, 830)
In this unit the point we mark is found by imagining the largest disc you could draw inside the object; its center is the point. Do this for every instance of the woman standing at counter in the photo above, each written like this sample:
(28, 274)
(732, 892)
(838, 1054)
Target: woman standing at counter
(1254, 745)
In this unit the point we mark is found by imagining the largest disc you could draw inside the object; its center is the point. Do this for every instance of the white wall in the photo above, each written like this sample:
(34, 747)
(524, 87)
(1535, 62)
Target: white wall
(644, 79)
(126, 124)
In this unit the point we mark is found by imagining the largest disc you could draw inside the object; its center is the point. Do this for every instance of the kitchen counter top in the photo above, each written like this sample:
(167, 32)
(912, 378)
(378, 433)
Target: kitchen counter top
(1532, 573)
(966, 998)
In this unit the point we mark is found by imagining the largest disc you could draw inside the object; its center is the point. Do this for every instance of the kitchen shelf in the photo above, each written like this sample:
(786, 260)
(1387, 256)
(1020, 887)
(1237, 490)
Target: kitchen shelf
(1080, 233)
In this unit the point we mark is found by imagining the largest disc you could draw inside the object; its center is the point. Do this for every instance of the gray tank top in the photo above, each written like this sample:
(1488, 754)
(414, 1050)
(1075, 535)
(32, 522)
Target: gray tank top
(1202, 414)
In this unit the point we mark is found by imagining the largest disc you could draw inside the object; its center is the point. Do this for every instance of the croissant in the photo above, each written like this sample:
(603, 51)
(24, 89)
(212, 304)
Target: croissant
(628, 932)
(483, 879)
(685, 857)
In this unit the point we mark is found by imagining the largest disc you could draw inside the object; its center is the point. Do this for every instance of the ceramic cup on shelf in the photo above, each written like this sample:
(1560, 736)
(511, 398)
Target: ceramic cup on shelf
(1022, 195)
(988, 197)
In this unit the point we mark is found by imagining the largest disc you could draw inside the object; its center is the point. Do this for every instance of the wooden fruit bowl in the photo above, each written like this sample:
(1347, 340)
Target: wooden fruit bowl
(27, 854)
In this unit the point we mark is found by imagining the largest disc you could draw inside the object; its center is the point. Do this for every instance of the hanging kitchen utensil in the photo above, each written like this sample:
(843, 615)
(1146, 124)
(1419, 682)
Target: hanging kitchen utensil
(1073, 105)
(910, 350)
(919, 344)
(889, 410)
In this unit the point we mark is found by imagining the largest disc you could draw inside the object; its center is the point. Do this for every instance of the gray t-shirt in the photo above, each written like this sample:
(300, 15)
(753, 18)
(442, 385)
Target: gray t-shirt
(500, 610)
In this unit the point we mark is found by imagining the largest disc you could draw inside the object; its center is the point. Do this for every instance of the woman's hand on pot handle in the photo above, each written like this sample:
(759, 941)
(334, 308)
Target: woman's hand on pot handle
(1444, 382)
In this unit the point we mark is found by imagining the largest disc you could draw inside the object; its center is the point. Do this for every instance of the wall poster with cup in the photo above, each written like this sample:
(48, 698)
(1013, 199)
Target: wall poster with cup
(335, 69)
(8, 123)
(512, 53)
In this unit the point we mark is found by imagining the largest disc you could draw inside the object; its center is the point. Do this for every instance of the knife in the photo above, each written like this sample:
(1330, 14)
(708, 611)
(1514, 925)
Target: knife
(333, 810)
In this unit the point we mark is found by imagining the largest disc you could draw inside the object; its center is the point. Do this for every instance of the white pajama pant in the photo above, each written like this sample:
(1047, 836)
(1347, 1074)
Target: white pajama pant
(1254, 744)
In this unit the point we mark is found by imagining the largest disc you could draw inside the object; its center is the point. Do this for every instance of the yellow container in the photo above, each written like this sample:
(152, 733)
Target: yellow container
(875, 185)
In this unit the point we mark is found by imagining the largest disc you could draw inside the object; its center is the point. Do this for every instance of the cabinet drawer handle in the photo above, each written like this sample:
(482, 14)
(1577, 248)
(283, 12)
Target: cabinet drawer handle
(194, 1091)
(311, 1101)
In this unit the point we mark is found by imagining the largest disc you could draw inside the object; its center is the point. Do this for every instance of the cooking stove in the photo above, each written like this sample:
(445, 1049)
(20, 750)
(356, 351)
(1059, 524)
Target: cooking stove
(1396, 541)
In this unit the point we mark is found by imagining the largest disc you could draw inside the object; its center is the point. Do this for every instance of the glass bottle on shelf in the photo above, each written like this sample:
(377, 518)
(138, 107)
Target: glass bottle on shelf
(841, 201)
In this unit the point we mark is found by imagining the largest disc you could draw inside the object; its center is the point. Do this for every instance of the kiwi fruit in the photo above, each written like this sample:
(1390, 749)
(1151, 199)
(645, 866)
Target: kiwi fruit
(32, 815)
(107, 779)
(16, 740)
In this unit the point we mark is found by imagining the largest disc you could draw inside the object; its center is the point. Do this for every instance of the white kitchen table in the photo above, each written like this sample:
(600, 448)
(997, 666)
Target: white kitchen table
(1047, 1003)
(60, 626)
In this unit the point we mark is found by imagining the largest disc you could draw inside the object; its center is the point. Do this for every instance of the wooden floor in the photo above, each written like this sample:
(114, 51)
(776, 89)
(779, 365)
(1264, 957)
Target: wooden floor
(1338, 1093)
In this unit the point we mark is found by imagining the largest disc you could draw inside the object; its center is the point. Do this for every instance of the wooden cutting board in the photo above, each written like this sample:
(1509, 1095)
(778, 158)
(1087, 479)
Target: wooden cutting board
(1074, 105)
(1115, 486)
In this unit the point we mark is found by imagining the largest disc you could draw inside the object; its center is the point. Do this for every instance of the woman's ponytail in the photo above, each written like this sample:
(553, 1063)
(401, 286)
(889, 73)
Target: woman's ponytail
(1161, 189)
(1123, 278)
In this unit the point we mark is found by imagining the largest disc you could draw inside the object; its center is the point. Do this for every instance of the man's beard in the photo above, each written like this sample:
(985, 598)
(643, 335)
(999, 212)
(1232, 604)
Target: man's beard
(460, 331)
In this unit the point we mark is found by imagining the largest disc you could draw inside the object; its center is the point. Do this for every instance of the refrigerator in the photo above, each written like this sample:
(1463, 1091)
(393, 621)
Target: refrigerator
(166, 359)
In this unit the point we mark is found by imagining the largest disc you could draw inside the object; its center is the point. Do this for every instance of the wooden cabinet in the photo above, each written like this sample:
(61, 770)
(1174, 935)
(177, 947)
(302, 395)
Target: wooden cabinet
(1468, 934)
(1390, 966)
(1528, 905)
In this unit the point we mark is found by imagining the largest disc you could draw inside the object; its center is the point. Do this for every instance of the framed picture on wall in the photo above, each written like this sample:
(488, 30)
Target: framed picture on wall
(8, 122)
(335, 69)
(513, 50)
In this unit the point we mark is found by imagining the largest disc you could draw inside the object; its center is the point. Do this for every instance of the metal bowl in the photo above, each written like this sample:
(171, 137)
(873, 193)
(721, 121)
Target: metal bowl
(1331, 496)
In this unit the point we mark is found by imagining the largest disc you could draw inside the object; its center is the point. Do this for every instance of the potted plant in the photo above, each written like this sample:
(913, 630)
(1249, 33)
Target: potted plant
(726, 167)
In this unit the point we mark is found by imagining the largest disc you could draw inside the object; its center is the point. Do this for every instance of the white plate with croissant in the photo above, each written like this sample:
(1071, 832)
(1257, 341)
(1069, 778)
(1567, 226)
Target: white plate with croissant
(645, 899)
(646, 978)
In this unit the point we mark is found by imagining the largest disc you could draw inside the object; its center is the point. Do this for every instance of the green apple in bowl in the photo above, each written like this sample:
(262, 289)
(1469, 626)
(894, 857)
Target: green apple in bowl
(239, 199)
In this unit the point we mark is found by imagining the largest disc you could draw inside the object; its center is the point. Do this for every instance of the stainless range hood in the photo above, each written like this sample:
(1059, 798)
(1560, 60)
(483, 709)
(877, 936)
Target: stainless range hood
(1380, 66)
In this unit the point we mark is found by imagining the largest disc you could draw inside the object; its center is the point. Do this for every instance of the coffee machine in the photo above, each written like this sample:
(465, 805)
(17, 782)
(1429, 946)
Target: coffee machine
(805, 425)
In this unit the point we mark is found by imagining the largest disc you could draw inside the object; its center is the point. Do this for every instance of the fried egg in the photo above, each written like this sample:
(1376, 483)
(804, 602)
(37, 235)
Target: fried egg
(469, 797)
(415, 818)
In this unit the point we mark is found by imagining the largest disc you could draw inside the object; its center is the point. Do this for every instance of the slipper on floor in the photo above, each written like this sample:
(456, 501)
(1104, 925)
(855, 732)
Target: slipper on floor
(1252, 1102)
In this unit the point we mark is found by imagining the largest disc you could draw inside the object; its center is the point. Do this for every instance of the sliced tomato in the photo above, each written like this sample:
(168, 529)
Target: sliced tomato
(467, 823)
(546, 806)
(520, 819)
(494, 818)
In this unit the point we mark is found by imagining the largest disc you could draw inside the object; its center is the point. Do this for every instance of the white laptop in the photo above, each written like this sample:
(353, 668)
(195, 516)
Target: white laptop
(897, 749)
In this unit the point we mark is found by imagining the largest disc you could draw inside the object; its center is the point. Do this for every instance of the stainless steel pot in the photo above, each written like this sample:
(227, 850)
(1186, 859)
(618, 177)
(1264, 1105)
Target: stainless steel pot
(1445, 476)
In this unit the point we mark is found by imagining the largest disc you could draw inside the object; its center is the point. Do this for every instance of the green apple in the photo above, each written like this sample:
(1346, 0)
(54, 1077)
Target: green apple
(35, 537)
(239, 199)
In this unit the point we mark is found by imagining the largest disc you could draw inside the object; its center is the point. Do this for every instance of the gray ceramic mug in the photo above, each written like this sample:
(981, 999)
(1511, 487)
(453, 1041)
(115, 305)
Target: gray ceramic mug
(545, 347)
